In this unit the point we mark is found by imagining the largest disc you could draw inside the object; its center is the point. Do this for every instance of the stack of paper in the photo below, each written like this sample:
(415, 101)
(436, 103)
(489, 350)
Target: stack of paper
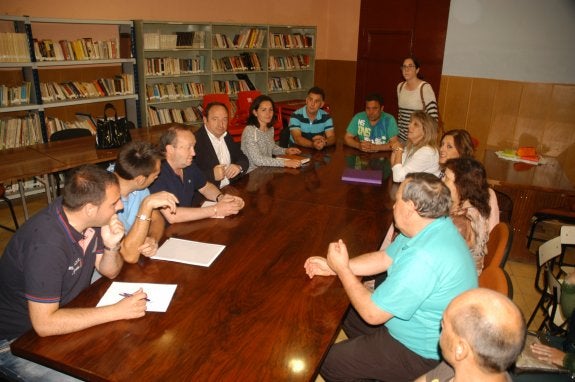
(188, 252)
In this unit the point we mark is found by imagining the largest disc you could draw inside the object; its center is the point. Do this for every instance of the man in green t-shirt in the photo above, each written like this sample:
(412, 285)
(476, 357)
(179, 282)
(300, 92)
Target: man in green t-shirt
(372, 130)
(394, 331)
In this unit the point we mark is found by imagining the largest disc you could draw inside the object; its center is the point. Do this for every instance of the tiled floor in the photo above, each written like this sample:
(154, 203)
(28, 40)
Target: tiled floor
(522, 275)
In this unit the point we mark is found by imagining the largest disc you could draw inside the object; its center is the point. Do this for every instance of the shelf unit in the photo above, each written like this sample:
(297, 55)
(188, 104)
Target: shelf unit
(19, 107)
(63, 81)
(229, 53)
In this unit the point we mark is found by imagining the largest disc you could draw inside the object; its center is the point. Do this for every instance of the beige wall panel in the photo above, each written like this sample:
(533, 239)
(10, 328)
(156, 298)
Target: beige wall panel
(505, 110)
(558, 137)
(480, 110)
(559, 132)
(457, 102)
(533, 114)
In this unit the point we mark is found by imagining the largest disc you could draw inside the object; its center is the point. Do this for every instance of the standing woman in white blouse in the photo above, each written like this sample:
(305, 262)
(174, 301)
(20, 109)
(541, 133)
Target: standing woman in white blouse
(413, 94)
(421, 153)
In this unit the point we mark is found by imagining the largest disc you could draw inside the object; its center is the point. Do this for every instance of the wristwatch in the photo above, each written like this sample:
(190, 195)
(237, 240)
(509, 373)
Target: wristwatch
(144, 218)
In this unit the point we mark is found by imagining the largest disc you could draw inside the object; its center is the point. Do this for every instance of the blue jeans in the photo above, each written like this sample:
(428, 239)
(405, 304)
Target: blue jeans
(15, 368)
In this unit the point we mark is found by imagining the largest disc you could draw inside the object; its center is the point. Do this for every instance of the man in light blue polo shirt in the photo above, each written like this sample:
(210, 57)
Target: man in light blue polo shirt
(372, 130)
(394, 331)
(310, 126)
(137, 166)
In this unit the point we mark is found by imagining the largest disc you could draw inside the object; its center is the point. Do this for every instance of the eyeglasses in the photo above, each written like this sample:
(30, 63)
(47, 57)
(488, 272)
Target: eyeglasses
(407, 67)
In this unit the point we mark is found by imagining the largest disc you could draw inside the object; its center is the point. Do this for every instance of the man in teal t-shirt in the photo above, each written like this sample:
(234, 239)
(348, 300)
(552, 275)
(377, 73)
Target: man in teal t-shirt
(394, 331)
(373, 129)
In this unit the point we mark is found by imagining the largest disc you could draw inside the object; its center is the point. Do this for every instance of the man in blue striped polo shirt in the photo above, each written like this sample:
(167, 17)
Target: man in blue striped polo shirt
(310, 126)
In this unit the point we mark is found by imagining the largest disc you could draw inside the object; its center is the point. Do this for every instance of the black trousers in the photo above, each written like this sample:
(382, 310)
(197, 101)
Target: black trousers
(371, 353)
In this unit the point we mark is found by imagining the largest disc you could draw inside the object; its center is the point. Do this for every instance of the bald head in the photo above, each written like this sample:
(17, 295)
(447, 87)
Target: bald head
(491, 324)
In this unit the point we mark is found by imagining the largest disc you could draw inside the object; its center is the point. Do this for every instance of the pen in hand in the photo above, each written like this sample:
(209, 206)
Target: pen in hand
(130, 295)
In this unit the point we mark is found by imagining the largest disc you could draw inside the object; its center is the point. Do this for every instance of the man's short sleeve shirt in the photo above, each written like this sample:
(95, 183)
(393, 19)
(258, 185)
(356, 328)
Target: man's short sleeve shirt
(300, 120)
(46, 261)
(131, 207)
(184, 189)
(381, 133)
(427, 272)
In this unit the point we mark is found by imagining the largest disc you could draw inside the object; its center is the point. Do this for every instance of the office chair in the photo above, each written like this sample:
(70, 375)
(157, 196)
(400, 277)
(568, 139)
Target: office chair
(553, 320)
(498, 245)
(63, 135)
(497, 279)
(238, 122)
(565, 216)
(69, 134)
(549, 252)
(505, 206)
(11, 207)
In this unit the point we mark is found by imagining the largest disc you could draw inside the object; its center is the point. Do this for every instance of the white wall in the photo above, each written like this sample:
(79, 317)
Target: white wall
(520, 40)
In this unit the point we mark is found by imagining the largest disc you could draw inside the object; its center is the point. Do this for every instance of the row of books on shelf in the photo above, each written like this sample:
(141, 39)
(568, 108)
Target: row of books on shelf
(245, 61)
(76, 50)
(283, 84)
(170, 66)
(290, 41)
(159, 116)
(26, 130)
(249, 38)
(231, 87)
(15, 95)
(295, 62)
(119, 85)
(179, 40)
(174, 91)
(20, 131)
(14, 47)
(83, 122)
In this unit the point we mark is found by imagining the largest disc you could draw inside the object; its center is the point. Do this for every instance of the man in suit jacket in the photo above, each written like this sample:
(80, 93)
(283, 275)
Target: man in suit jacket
(217, 155)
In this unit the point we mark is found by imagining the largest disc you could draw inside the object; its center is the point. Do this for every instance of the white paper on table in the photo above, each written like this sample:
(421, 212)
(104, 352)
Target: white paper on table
(209, 203)
(160, 295)
(188, 252)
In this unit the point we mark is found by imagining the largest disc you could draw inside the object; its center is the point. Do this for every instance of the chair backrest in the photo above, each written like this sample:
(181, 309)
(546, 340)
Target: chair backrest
(568, 234)
(69, 134)
(505, 206)
(495, 278)
(549, 250)
(498, 245)
(553, 313)
(245, 99)
(217, 97)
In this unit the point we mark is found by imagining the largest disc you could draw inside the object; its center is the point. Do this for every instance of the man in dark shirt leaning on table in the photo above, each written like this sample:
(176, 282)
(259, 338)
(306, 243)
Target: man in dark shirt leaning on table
(180, 176)
(394, 331)
(50, 260)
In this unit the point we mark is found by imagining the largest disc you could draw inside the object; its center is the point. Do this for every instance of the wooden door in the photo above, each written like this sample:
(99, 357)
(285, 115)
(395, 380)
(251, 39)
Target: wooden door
(390, 31)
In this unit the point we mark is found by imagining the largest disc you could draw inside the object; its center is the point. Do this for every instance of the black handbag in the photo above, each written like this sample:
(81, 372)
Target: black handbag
(112, 133)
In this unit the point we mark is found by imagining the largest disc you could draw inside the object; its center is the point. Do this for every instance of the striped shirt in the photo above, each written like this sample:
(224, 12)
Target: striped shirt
(409, 101)
(300, 120)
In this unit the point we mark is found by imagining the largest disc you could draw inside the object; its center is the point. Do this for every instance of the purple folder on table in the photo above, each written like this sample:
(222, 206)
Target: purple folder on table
(362, 176)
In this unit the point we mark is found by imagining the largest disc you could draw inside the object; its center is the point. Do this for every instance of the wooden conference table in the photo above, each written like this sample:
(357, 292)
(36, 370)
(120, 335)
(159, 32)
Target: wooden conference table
(253, 314)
